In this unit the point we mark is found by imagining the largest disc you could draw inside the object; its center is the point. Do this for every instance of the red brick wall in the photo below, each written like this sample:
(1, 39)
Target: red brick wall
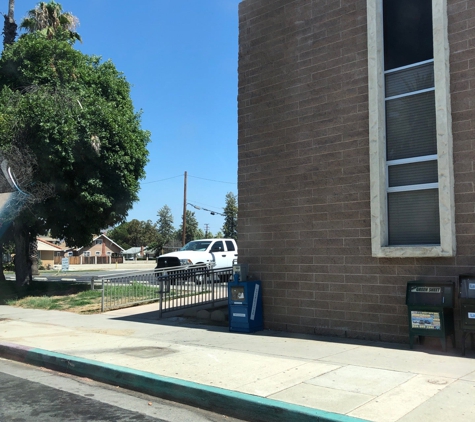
(304, 202)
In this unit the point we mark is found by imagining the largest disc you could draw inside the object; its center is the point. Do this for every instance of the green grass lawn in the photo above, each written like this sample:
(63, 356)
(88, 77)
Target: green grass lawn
(83, 302)
(89, 301)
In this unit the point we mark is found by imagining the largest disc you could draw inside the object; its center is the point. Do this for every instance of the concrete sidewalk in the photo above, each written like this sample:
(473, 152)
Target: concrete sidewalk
(266, 376)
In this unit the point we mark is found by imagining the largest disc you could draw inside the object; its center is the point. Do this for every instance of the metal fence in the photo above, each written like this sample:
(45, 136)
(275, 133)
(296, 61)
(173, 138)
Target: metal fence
(173, 288)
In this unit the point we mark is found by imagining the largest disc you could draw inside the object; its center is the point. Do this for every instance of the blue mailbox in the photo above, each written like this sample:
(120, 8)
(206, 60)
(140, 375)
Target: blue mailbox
(244, 303)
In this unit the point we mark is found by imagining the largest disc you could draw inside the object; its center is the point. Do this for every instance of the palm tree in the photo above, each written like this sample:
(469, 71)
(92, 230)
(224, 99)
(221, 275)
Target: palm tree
(49, 19)
(9, 26)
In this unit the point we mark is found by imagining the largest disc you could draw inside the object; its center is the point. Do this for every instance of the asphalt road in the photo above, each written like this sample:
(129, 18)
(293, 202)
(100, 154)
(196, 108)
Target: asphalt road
(34, 394)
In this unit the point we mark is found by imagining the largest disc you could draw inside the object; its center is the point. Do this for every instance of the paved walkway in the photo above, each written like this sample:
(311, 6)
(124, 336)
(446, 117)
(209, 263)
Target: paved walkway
(264, 376)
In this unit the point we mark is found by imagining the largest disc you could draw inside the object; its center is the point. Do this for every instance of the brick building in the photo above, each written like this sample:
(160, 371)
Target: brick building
(356, 157)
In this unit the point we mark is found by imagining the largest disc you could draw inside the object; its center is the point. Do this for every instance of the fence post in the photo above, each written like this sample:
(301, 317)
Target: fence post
(102, 297)
(93, 279)
(161, 298)
(212, 286)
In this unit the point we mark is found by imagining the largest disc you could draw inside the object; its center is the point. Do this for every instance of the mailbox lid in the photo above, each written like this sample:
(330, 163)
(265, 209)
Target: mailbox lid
(467, 286)
(430, 293)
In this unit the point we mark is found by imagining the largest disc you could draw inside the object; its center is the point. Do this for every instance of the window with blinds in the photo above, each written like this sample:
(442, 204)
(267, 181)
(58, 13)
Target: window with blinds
(411, 136)
(410, 129)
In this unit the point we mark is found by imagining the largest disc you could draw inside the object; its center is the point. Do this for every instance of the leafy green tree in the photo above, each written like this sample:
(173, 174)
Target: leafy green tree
(192, 232)
(230, 216)
(134, 230)
(134, 233)
(120, 235)
(48, 18)
(165, 228)
(218, 235)
(149, 233)
(75, 115)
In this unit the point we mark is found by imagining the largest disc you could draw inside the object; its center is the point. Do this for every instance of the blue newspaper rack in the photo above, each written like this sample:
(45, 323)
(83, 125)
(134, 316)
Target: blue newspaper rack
(245, 306)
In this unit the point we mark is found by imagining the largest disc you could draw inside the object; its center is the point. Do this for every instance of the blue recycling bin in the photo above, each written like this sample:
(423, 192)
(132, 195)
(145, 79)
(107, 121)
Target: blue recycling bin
(245, 306)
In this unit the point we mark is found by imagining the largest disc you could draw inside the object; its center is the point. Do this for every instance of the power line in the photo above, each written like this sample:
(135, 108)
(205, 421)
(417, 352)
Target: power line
(194, 177)
(206, 205)
(162, 180)
(211, 180)
(204, 209)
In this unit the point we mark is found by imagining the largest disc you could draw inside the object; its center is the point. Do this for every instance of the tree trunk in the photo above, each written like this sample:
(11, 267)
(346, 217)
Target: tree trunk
(34, 257)
(2, 274)
(7, 289)
(11, 8)
(9, 31)
(9, 26)
(22, 257)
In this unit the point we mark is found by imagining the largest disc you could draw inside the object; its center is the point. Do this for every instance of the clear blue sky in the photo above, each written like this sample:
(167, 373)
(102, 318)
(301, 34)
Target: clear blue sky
(180, 56)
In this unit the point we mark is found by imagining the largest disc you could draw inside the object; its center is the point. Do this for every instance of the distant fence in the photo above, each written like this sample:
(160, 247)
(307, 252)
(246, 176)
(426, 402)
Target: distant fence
(173, 289)
(73, 260)
(81, 260)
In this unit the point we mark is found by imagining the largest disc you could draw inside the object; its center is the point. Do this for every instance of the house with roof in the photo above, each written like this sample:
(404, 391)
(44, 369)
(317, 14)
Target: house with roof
(356, 158)
(102, 250)
(138, 252)
(47, 251)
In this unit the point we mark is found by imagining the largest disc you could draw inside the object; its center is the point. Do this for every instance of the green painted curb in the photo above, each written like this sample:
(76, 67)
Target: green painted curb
(219, 400)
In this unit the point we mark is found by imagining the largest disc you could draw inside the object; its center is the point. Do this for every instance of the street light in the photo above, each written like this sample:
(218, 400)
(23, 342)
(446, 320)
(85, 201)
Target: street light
(194, 206)
(198, 208)
(204, 209)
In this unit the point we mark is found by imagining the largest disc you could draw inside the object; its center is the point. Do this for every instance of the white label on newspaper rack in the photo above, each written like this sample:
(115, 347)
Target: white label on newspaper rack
(254, 302)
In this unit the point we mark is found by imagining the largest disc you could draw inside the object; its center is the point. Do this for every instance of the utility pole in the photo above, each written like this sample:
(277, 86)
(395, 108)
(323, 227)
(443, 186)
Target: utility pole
(184, 212)
(206, 230)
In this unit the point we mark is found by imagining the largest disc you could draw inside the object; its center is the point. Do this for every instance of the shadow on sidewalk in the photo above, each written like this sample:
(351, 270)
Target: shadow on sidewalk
(430, 346)
(152, 317)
